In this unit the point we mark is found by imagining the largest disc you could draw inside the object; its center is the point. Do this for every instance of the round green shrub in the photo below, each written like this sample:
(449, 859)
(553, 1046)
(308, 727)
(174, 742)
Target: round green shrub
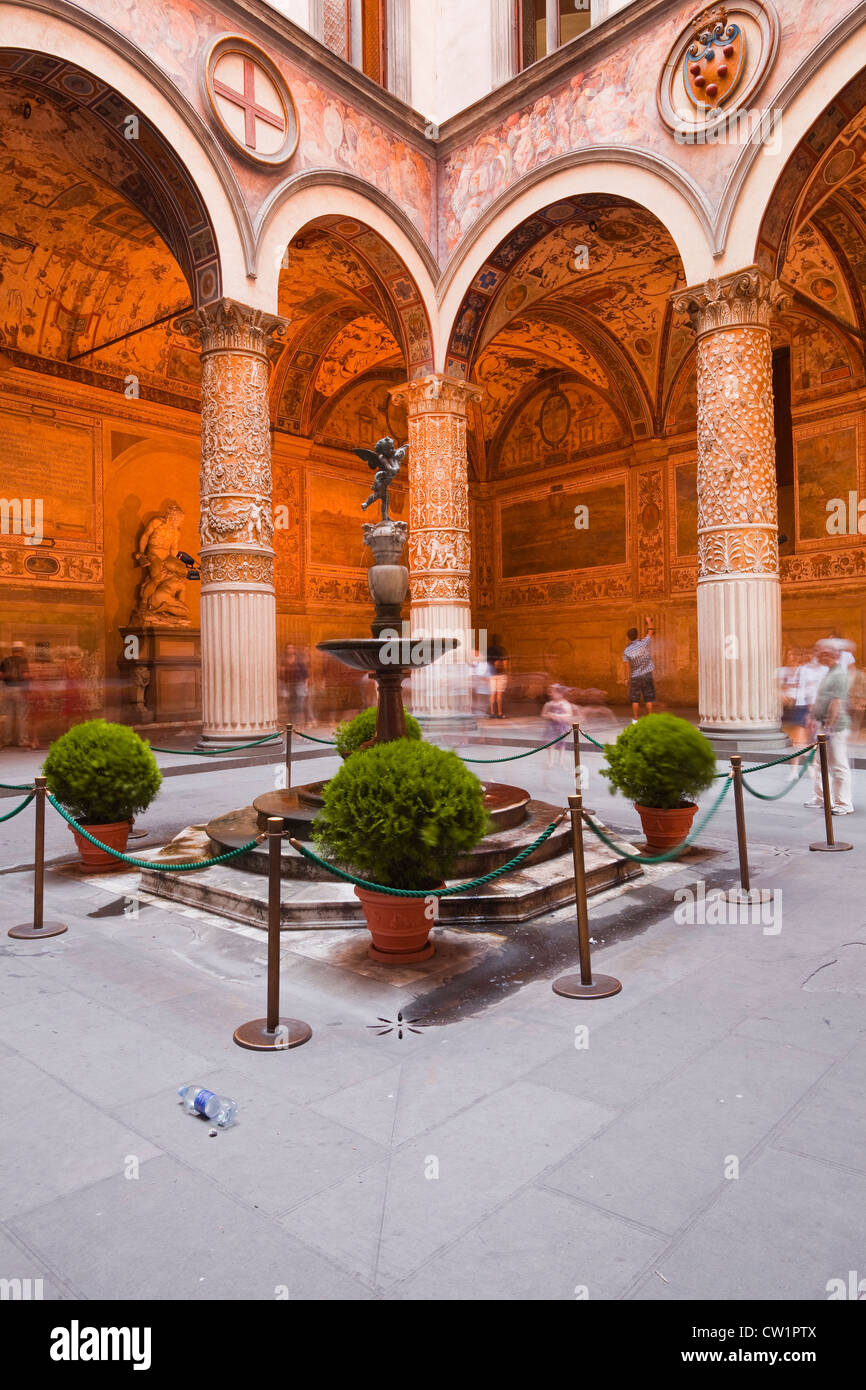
(660, 761)
(102, 773)
(401, 813)
(352, 733)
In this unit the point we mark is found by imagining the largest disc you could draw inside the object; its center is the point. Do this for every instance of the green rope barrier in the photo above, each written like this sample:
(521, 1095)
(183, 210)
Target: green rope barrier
(214, 752)
(759, 767)
(150, 863)
(777, 796)
(21, 807)
(16, 787)
(512, 757)
(594, 741)
(670, 853)
(312, 737)
(429, 892)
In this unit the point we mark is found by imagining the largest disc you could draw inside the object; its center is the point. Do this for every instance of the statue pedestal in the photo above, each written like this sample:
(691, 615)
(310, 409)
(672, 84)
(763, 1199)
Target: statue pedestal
(162, 679)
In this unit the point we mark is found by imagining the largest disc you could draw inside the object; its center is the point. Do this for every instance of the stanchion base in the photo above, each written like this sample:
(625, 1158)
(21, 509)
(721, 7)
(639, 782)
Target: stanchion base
(27, 932)
(743, 897)
(290, 1032)
(571, 987)
(823, 848)
(138, 834)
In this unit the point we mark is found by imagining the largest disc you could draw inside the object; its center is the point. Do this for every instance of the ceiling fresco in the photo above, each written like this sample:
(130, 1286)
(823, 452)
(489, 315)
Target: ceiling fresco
(584, 286)
(350, 305)
(80, 263)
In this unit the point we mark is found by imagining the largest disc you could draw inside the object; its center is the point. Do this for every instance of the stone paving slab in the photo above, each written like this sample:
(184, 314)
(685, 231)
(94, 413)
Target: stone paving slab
(473, 1162)
(173, 1228)
(781, 1231)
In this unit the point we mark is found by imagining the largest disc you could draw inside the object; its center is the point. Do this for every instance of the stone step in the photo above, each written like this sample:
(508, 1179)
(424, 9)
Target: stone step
(308, 903)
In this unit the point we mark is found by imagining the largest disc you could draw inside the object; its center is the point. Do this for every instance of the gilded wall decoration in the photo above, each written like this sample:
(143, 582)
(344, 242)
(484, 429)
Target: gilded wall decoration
(543, 533)
(827, 469)
(650, 538)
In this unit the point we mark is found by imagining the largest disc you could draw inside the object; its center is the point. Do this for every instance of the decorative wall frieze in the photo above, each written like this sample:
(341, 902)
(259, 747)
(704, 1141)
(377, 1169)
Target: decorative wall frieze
(746, 297)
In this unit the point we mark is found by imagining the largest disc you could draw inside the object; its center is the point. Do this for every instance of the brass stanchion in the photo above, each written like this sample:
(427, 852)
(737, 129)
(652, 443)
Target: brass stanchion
(831, 846)
(745, 893)
(30, 931)
(289, 732)
(578, 771)
(584, 985)
(273, 1034)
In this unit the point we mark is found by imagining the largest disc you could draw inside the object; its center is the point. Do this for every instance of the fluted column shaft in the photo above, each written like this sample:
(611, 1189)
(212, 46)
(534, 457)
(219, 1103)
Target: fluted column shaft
(439, 539)
(739, 605)
(238, 607)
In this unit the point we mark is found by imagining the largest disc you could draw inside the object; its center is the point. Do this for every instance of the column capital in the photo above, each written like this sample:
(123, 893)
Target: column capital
(437, 394)
(746, 298)
(224, 325)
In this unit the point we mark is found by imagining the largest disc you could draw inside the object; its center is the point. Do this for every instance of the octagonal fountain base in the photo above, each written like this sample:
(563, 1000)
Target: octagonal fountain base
(312, 898)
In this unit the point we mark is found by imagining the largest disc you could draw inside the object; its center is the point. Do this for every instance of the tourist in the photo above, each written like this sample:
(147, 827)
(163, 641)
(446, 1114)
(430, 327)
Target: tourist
(15, 672)
(497, 665)
(480, 682)
(638, 659)
(830, 716)
(805, 689)
(559, 715)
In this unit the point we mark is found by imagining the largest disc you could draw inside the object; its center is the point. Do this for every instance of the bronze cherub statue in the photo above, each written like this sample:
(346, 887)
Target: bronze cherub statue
(386, 460)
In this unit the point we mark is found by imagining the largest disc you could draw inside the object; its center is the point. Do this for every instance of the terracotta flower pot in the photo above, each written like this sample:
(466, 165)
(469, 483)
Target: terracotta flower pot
(96, 860)
(399, 927)
(665, 829)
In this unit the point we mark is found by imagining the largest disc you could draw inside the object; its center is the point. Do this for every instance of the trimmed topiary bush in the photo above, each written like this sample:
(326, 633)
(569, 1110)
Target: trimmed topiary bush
(102, 773)
(401, 813)
(352, 733)
(661, 761)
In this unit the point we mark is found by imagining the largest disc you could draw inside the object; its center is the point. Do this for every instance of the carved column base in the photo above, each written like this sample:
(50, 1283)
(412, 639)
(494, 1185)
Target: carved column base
(239, 683)
(739, 637)
(442, 693)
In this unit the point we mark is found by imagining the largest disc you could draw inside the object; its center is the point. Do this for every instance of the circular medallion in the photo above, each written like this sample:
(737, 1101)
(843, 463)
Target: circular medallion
(715, 68)
(249, 101)
(555, 418)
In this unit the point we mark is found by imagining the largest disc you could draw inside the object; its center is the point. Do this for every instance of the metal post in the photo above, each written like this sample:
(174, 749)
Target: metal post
(582, 986)
(29, 931)
(831, 846)
(740, 810)
(273, 1033)
(289, 731)
(578, 778)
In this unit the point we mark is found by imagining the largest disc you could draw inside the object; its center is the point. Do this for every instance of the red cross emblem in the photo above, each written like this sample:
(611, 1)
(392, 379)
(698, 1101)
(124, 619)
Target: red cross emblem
(254, 111)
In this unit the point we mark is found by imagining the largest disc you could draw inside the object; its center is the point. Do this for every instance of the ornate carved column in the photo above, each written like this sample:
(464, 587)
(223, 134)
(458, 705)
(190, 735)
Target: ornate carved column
(238, 608)
(739, 606)
(439, 544)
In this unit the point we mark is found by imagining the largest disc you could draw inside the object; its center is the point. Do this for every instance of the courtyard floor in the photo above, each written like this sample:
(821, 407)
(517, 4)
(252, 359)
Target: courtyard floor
(700, 1135)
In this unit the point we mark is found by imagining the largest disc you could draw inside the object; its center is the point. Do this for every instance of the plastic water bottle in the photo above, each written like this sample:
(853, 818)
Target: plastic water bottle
(198, 1101)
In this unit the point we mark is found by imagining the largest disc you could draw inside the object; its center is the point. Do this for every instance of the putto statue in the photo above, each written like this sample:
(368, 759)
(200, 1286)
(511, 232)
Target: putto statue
(168, 568)
(386, 460)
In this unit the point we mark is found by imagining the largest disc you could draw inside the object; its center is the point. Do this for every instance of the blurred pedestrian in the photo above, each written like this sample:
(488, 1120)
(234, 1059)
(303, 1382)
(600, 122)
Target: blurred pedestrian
(558, 714)
(15, 670)
(641, 670)
(830, 716)
(497, 661)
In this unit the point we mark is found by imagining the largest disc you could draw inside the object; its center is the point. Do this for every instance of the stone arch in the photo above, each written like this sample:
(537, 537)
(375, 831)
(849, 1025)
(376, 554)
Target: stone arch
(529, 302)
(205, 212)
(354, 311)
(308, 196)
(654, 183)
